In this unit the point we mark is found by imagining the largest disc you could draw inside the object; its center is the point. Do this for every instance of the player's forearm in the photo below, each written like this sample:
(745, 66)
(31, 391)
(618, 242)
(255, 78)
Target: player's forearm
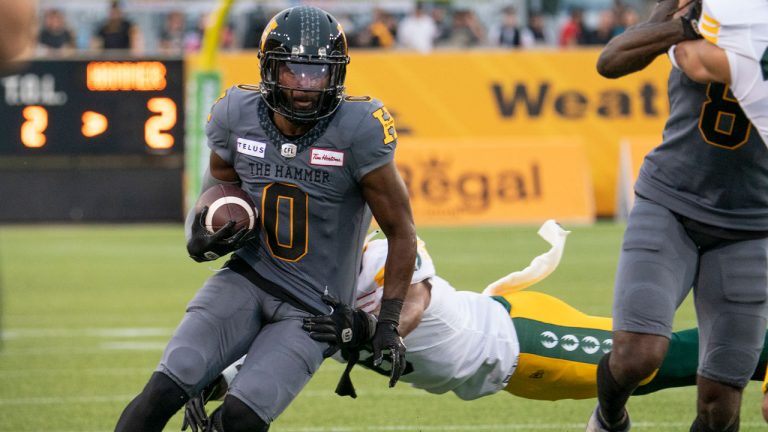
(398, 269)
(636, 48)
(702, 61)
(416, 302)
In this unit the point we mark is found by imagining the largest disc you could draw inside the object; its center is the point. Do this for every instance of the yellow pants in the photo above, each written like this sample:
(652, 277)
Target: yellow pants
(560, 347)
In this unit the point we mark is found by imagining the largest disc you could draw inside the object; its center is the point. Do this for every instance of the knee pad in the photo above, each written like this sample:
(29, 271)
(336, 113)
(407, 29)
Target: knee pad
(236, 416)
(733, 349)
(186, 364)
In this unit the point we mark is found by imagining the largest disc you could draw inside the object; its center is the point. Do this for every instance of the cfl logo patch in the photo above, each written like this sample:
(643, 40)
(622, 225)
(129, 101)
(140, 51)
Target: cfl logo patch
(346, 335)
(288, 150)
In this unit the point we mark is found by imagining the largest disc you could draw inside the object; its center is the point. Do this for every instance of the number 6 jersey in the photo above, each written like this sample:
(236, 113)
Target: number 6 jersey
(712, 166)
(307, 190)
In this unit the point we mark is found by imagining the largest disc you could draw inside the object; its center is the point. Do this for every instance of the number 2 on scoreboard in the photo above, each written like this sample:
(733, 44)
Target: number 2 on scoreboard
(34, 126)
(156, 129)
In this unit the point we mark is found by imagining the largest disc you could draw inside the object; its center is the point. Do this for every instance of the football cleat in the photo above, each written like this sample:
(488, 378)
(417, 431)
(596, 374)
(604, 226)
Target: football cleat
(596, 424)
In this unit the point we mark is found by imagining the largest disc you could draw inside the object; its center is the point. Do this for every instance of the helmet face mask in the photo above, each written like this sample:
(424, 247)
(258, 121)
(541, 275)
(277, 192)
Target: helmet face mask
(303, 58)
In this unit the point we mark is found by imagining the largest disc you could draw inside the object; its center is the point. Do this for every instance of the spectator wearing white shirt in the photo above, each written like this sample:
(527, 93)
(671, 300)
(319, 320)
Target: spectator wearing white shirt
(417, 31)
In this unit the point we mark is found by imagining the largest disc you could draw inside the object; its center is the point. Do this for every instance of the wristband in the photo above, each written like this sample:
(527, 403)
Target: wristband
(390, 311)
(671, 55)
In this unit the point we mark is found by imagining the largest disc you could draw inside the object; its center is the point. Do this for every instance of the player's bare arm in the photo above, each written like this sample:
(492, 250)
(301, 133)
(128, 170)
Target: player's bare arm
(639, 45)
(703, 61)
(221, 170)
(386, 195)
(414, 305)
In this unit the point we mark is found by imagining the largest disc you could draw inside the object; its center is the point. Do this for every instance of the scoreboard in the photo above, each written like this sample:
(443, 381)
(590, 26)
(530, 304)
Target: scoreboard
(92, 140)
(93, 107)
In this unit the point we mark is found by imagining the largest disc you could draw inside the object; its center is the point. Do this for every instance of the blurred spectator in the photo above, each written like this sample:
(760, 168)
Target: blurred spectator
(257, 22)
(606, 25)
(417, 31)
(537, 29)
(626, 19)
(172, 34)
(380, 33)
(507, 33)
(55, 36)
(443, 23)
(573, 31)
(117, 32)
(467, 30)
(383, 29)
(193, 39)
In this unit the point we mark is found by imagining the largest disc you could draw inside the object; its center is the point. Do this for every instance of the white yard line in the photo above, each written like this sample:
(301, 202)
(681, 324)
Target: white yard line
(65, 400)
(37, 372)
(111, 332)
(134, 346)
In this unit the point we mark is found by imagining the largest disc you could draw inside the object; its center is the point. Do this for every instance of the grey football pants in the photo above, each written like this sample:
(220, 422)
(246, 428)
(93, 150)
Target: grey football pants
(660, 263)
(230, 317)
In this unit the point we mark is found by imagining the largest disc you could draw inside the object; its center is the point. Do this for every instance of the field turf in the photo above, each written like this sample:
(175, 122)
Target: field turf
(87, 310)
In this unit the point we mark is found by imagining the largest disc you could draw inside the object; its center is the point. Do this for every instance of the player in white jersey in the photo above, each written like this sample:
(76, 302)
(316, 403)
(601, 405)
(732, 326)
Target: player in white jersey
(465, 342)
(734, 51)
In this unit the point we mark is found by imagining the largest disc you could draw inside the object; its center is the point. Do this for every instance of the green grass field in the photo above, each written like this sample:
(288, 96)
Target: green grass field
(87, 310)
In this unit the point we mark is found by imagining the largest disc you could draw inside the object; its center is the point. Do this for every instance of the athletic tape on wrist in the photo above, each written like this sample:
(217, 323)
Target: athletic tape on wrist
(390, 310)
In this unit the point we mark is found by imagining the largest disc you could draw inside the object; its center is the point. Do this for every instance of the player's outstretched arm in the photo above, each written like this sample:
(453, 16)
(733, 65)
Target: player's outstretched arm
(386, 195)
(702, 61)
(415, 303)
(639, 45)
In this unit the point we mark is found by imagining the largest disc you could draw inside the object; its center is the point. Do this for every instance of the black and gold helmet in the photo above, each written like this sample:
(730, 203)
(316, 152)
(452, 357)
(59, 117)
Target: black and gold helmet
(303, 59)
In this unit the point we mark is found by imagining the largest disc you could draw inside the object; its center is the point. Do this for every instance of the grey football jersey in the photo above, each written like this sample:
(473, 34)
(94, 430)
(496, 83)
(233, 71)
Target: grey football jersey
(712, 165)
(313, 215)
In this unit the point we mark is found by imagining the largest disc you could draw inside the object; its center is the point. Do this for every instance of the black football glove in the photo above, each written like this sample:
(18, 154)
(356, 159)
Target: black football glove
(195, 417)
(204, 246)
(386, 337)
(345, 327)
(691, 19)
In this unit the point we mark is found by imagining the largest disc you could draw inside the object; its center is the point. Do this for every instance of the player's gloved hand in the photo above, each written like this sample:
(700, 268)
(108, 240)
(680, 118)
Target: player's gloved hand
(345, 327)
(691, 19)
(204, 246)
(195, 417)
(386, 337)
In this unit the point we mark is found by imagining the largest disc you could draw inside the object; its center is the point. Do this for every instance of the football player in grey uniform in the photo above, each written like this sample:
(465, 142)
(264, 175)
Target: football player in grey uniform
(318, 163)
(700, 222)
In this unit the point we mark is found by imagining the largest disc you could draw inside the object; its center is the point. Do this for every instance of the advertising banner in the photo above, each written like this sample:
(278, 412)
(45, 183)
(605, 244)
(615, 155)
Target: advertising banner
(496, 181)
(495, 94)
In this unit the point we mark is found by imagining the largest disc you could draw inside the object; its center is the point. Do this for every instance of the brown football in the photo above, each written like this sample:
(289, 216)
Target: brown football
(227, 202)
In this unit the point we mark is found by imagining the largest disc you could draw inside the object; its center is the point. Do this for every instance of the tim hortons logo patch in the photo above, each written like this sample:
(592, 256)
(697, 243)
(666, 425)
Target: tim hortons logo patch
(251, 148)
(326, 157)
